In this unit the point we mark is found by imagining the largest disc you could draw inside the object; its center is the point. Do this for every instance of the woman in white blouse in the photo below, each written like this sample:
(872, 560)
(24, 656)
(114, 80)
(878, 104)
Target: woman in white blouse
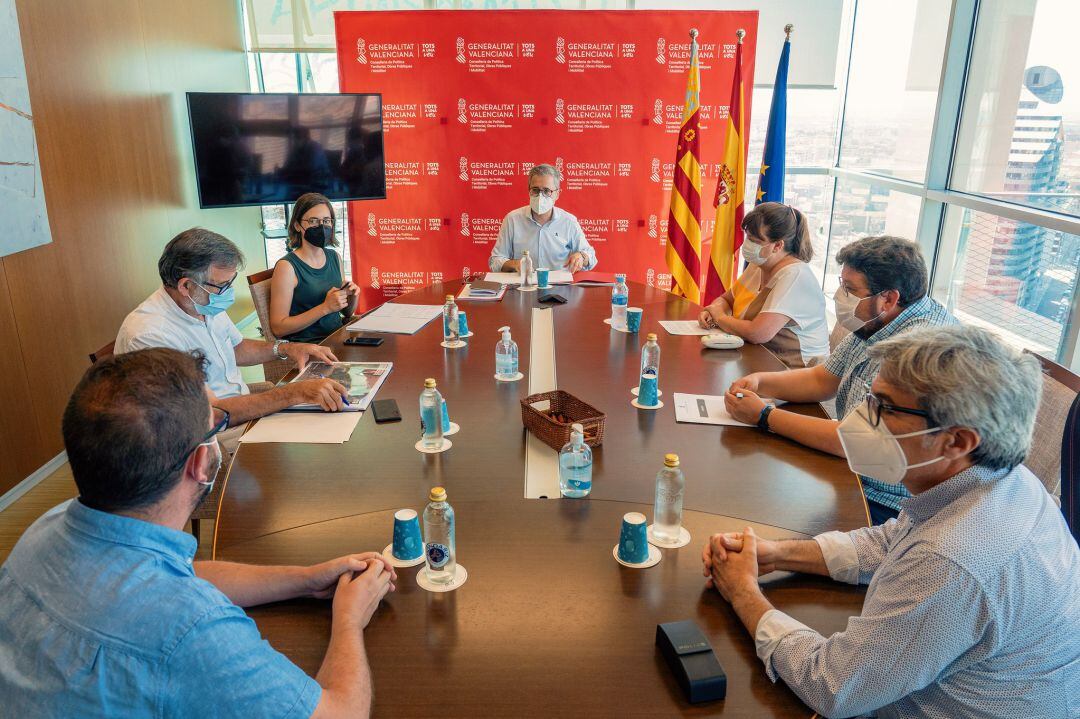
(777, 301)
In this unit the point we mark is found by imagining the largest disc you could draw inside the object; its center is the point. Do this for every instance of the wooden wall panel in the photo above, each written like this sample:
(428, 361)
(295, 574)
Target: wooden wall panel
(107, 81)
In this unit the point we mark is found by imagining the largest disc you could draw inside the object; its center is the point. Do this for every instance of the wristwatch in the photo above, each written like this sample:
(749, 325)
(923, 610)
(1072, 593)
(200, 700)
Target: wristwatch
(763, 418)
(277, 351)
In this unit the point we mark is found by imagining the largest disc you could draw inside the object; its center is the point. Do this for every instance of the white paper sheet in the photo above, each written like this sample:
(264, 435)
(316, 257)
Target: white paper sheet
(555, 277)
(709, 409)
(304, 428)
(397, 318)
(466, 295)
(685, 327)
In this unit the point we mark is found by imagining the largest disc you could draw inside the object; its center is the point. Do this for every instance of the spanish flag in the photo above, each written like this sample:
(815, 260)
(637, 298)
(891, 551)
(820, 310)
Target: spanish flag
(684, 217)
(730, 192)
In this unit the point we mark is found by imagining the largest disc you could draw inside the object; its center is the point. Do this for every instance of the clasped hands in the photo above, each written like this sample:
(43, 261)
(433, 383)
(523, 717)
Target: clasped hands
(733, 561)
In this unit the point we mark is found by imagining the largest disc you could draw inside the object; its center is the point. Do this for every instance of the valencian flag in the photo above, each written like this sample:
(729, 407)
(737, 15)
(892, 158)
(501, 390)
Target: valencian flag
(684, 218)
(730, 191)
(771, 181)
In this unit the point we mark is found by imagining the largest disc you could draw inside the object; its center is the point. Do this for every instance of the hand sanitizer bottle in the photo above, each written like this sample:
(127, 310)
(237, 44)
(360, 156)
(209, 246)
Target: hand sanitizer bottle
(506, 356)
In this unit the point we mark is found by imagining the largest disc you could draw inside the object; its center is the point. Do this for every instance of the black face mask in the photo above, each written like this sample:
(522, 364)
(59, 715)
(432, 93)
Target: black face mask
(319, 236)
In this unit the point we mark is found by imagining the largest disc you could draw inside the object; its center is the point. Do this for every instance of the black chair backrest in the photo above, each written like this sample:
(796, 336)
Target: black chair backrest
(1070, 470)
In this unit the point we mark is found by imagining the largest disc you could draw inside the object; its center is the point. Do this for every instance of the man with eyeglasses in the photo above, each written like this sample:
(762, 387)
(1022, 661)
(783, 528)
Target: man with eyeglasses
(106, 613)
(882, 293)
(552, 236)
(972, 608)
(198, 269)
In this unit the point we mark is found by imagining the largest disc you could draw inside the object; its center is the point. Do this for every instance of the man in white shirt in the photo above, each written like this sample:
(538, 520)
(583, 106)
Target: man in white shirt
(553, 237)
(187, 313)
(972, 607)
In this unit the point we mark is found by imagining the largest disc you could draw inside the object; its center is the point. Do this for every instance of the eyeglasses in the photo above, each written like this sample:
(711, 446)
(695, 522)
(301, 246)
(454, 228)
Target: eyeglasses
(875, 406)
(537, 191)
(316, 221)
(220, 426)
(219, 288)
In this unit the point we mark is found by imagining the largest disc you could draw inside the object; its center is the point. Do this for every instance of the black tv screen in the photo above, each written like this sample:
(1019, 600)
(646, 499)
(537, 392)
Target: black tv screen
(270, 148)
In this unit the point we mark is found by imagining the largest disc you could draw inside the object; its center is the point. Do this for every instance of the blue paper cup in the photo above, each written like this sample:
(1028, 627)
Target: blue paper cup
(462, 323)
(407, 542)
(647, 391)
(633, 544)
(633, 319)
(446, 418)
(542, 277)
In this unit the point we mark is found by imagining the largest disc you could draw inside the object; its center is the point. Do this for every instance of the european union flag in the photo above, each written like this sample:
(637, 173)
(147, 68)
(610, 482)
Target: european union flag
(771, 180)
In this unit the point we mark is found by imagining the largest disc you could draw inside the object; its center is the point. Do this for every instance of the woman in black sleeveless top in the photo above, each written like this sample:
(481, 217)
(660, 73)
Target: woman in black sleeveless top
(309, 299)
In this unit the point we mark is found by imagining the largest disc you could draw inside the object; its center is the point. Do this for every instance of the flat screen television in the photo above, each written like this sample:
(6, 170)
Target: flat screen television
(270, 148)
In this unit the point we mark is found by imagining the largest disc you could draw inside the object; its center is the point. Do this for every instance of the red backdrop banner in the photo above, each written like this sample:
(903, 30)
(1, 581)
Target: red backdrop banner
(473, 99)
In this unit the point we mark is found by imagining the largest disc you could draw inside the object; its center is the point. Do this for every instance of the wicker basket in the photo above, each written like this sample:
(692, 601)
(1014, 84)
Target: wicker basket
(555, 433)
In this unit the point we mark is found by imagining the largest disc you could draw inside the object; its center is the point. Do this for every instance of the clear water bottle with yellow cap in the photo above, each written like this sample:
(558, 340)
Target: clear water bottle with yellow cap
(431, 415)
(439, 550)
(667, 509)
(450, 321)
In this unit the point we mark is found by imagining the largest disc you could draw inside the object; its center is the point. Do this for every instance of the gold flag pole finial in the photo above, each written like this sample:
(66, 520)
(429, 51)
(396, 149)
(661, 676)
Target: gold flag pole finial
(788, 29)
(693, 34)
(740, 33)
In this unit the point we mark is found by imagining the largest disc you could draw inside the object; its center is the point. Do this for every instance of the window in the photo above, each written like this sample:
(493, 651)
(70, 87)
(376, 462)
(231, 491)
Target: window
(895, 70)
(860, 210)
(1019, 135)
(1011, 276)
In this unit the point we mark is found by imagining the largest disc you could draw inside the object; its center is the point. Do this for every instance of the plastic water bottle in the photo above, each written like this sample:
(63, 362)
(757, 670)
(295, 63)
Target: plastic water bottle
(450, 320)
(439, 550)
(431, 415)
(575, 465)
(527, 270)
(506, 355)
(620, 298)
(650, 356)
(667, 509)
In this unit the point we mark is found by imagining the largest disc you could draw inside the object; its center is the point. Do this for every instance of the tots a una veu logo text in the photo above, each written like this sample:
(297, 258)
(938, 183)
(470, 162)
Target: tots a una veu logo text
(361, 51)
(460, 57)
(661, 47)
(465, 224)
(560, 106)
(372, 230)
(560, 51)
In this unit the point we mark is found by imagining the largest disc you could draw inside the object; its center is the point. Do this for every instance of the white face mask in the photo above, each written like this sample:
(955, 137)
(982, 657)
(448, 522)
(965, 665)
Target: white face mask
(541, 205)
(874, 452)
(845, 305)
(753, 253)
(216, 466)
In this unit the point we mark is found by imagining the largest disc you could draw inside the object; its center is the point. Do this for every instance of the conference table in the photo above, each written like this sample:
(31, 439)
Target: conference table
(548, 623)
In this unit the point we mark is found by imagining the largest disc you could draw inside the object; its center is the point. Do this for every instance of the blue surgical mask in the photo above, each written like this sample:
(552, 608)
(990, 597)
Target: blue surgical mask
(218, 303)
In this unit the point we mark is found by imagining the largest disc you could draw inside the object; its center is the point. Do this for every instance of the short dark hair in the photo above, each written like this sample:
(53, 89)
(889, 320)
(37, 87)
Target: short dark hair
(129, 420)
(192, 252)
(776, 221)
(888, 263)
(300, 208)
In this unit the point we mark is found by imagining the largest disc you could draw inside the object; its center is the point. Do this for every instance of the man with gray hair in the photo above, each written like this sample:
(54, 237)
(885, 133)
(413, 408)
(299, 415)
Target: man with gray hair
(882, 292)
(972, 608)
(553, 237)
(198, 268)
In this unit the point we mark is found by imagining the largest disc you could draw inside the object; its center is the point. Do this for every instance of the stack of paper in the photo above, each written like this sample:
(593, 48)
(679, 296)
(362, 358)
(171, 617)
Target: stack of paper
(685, 327)
(304, 428)
(396, 318)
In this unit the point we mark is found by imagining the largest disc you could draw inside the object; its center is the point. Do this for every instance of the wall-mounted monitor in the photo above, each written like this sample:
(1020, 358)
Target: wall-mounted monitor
(270, 148)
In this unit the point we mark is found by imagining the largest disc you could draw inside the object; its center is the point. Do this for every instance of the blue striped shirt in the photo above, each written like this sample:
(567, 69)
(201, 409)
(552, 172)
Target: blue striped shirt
(851, 362)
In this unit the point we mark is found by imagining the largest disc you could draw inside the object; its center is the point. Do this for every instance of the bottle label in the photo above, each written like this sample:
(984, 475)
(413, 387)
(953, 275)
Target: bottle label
(620, 300)
(506, 365)
(438, 555)
(429, 419)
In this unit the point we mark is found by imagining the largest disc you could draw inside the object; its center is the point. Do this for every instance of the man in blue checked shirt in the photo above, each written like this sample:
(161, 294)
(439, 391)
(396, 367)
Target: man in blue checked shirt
(972, 608)
(882, 293)
(104, 611)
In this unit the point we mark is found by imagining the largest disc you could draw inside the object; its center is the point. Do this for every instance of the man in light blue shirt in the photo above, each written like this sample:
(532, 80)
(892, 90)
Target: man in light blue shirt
(972, 608)
(553, 237)
(104, 611)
